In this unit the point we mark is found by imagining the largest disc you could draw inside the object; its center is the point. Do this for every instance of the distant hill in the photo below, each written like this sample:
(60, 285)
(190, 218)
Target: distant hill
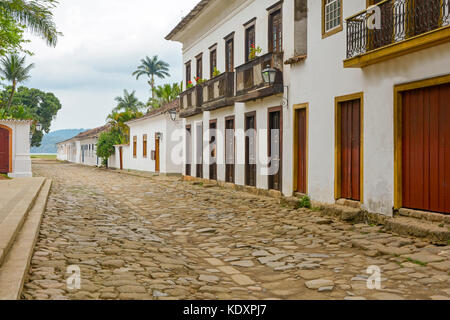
(49, 141)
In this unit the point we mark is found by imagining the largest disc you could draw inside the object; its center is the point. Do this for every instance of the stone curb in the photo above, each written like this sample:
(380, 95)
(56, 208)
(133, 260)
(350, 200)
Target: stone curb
(16, 265)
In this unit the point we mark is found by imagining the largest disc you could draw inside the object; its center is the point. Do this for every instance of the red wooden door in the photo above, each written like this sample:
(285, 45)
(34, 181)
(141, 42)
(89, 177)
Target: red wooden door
(351, 149)
(4, 150)
(426, 149)
(301, 150)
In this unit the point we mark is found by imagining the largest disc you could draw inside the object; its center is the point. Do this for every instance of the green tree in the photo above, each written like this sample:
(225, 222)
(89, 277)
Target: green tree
(118, 120)
(165, 94)
(105, 145)
(129, 102)
(152, 68)
(13, 69)
(33, 104)
(35, 16)
(11, 34)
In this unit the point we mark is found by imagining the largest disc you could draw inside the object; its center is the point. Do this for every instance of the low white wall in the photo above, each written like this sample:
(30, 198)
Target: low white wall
(21, 161)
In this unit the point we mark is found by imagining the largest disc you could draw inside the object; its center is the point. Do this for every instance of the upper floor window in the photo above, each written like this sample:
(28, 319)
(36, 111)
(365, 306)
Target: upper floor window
(212, 61)
(229, 54)
(331, 17)
(199, 73)
(250, 40)
(275, 31)
(188, 73)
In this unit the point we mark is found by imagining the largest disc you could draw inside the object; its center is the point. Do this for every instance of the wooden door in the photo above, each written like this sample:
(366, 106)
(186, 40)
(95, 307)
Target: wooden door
(188, 150)
(199, 153)
(213, 150)
(4, 151)
(275, 148)
(250, 149)
(301, 150)
(351, 149)
(426, 149)
(229, 150)
(121, 157)
(157, 155)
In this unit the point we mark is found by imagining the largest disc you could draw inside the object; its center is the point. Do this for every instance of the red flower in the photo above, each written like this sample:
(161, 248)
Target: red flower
(190, 82)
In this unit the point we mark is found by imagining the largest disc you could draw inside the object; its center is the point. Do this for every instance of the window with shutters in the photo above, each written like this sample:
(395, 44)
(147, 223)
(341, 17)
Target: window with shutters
(212, 62)
(250, 39)
(229, 54)
(135, 146)
(144, 146)
(275, 32)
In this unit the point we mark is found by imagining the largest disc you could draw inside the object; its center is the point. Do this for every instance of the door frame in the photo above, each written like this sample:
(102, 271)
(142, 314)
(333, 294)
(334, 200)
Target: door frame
(398, 130)
(210, 165)
(157, 154)
(269, 145)
(248, 115)
(338, 144)
(296, 143)
(188, 152)
(10, 155)
(229, 118)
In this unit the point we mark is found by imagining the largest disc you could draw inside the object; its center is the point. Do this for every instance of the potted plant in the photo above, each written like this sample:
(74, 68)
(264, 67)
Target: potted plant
(254, 51)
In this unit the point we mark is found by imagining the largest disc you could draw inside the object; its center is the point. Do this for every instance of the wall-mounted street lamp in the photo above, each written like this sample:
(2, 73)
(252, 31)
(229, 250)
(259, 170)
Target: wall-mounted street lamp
(173, 115)
(37, 127)
(269, 75)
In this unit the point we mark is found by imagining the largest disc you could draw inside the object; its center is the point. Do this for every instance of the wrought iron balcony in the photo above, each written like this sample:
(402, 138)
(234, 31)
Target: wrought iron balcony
(191, 101)
(399, 20)
(249, 81)
(218, 92)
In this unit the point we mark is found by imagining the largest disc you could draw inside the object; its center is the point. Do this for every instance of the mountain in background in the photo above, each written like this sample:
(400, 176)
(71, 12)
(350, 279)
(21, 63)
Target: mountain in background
(49, 141)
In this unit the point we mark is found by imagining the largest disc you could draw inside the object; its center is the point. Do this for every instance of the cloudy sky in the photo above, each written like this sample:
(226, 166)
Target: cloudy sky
(102, 45)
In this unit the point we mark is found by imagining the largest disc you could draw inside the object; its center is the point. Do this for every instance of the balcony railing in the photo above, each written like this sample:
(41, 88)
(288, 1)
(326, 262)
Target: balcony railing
(249, 78)
(218, 92)
(191, 101)
(399, 20)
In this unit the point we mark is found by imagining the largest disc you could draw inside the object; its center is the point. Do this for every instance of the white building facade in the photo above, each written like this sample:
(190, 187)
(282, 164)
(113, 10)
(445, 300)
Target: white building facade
(156, 143)
(362, 106)
(15, 148)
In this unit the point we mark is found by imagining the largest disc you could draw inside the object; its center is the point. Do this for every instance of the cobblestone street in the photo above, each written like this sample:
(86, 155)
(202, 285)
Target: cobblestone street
(161, 238)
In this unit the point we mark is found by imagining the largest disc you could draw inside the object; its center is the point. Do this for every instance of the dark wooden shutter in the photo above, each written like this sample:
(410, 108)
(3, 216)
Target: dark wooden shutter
(188, 150)
(229, 149)
(351, 149)
(213, 150)
(426, 149)
(249, 41)
(229, 55)
(276, 32)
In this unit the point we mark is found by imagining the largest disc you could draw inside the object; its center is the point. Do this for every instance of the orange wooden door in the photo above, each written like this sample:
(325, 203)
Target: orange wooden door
(157, 155)
(426, 149)
(4, 150)
(301, 150)
(351, 149)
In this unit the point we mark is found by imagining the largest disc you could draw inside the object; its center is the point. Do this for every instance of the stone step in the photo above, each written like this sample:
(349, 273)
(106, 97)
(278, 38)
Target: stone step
(423, 215)
(344, 213)
(14, 269)
(434, 232)
(18, 197)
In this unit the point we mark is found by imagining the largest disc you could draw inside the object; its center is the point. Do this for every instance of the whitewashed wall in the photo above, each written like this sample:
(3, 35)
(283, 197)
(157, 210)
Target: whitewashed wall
(90, 157)
(21, 161)
(168, 144)
(322, 77)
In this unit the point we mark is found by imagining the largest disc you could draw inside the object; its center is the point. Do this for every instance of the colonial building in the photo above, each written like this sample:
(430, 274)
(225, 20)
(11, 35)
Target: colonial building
(350, 101)
(82, 148)
(15, 148)
(153, 143)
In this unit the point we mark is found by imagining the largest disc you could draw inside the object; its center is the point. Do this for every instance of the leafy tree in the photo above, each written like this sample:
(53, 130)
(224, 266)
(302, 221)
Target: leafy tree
(165, 94)
(117, 121)
(35, 16)
(152, 68)
(105, 145)
(33, 104)
(11, 34)
(129, 102)
(13, 69)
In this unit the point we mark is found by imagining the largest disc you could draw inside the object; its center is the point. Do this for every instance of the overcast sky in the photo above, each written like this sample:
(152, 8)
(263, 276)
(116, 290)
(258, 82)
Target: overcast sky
(102, 45)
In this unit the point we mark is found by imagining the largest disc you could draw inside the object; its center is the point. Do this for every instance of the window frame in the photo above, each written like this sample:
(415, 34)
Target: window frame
(144, 146)
(199, 66)
(336, 29)
(272, 11)
(212, 58)
(229, 60)
(188, 71)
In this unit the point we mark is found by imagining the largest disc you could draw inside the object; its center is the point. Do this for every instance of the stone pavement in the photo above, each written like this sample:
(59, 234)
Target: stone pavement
(161, 238)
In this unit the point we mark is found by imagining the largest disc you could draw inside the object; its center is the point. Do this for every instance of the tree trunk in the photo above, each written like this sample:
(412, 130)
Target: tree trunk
(12, 95)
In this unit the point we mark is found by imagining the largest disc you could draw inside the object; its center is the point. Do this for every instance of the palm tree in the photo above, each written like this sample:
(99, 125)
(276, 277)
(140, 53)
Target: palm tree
(118, 120)
(152, 68)
(13, 69)
(129, 102)
(35, 15)
(165, 94)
